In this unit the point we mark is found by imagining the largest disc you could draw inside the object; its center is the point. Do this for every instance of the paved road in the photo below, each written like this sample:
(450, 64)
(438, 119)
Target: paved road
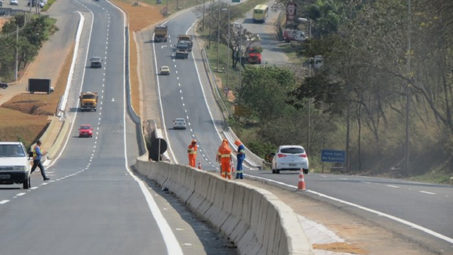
(182, 96)
(93, 204)
(428, 207)
(272, 53)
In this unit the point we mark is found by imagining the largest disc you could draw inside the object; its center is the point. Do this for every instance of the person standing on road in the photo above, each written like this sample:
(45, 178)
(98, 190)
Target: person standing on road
(192, 152)
(240, 155)
(224, 157)
(37, 155)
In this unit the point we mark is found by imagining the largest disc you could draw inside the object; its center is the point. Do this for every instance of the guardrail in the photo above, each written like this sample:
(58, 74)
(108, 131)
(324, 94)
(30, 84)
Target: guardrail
(135, 118)
(253, 218)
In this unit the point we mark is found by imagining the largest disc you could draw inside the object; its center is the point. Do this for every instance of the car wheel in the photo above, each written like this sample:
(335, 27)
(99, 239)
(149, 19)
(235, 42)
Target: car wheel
(277, 171)
(273, 171)
(26, 183)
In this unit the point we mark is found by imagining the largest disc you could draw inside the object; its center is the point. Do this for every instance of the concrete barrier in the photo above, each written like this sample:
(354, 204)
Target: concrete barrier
(253, 218)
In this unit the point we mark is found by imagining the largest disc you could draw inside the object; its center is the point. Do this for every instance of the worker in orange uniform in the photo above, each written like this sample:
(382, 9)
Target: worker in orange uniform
(192, 152)
(224, 157)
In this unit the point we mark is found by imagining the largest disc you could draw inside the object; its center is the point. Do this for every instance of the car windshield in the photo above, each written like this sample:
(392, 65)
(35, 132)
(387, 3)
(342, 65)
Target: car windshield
(292, 150)
(89, 96)
(95, 59)
(11, 150)
(85, 127)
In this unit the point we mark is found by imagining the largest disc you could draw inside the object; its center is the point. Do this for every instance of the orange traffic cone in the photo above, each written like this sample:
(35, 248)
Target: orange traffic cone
(199, 165)
(301, 183)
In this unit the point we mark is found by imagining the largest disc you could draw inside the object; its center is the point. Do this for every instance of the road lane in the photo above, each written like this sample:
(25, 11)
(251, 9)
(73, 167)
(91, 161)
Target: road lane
(92, 205)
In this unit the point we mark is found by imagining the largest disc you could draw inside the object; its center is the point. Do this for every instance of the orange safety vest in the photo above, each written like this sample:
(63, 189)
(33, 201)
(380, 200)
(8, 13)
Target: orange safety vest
(224, 151)
(192, 149)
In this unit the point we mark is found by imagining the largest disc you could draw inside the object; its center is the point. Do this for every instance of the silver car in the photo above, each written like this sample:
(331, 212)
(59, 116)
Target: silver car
(290, 157)
(179, 123)
(14, 164)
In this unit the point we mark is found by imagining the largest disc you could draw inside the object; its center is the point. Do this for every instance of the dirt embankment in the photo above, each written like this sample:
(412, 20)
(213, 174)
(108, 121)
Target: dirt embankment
(139, 17)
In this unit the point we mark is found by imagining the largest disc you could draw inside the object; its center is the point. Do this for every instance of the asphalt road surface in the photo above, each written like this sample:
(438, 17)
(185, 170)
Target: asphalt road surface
(93, 203)
(426, 207)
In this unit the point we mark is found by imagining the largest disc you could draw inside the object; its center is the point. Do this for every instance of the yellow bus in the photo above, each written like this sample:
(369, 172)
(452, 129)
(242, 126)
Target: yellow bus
(260, 13)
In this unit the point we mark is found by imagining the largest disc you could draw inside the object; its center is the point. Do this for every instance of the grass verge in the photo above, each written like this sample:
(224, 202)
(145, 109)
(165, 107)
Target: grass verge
(25, 116)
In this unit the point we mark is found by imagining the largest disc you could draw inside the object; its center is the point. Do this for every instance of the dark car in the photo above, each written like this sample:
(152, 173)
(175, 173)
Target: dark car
(95, 62)
(3, 85)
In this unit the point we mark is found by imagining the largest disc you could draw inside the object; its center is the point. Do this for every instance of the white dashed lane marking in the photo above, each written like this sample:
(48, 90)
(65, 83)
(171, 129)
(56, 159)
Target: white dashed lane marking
(4, 202)
(427, 192)
(393, 186)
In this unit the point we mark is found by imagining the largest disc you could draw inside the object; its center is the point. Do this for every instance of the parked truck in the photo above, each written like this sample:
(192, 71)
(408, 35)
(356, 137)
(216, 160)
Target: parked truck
(39, 85)
(161, 33)
(253, 53)
(88, 101)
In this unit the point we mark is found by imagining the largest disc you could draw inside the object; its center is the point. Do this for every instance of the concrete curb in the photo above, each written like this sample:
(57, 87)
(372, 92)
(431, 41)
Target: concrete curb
(253, 218)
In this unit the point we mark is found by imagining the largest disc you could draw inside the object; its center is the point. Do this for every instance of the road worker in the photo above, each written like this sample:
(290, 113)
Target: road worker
(240, 155)
(192, 152)
(224, 157)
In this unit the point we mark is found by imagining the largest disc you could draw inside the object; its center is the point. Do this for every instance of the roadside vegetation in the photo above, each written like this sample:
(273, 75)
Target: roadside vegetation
(383, 94)
(32, 31)
(25, 116)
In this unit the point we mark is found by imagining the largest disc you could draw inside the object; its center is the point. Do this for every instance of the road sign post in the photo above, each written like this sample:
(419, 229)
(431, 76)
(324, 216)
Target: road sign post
(332, 156)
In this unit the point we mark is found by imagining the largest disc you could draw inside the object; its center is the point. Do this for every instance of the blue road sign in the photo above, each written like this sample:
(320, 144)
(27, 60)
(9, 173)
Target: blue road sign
(333, 156)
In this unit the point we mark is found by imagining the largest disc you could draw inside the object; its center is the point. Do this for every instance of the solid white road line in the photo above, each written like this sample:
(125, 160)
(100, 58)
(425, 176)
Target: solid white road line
(169, 237)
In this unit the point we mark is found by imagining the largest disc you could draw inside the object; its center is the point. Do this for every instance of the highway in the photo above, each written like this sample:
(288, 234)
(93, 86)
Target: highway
(93, 204)
(182, 96)
(425, 207)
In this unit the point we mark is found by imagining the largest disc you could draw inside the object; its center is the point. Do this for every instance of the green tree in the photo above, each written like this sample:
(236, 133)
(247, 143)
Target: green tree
(264, 91)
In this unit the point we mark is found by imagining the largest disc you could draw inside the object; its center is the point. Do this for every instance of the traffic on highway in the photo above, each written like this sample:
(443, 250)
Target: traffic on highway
(99, 194)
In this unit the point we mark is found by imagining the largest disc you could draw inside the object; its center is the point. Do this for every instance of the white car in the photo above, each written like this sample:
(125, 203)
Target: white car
(290, 157)
(179, 123)
(14, 2)
(165, 70)
(14, 164)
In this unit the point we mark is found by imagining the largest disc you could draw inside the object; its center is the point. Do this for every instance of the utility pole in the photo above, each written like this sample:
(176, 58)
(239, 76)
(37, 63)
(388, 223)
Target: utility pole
(202, 27)
(218, 37)
(228, 49)
(408, 89)
(17, 52)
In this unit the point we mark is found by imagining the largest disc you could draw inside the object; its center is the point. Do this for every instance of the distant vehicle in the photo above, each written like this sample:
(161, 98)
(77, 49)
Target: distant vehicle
(40, 85)
(3, 85)
(14, 164)
(260, 13)
(95, 62)
(179, 123)
(85, 130)
(290, 157)
(160, 33)
(186, 39)
(33, 3)
(182, 50)
(164, 70)
(318, 61)
(88, 101)
(14, 2)
(293, 35)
